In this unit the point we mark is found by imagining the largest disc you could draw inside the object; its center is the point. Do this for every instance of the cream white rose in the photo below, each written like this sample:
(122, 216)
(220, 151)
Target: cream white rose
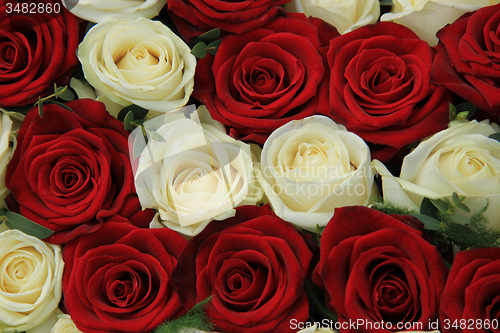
(460, 159)
(138, 62)
(311, 166)
(30, 280)
(198, 174)
(426, 17)
(345, 15)
(100, 10)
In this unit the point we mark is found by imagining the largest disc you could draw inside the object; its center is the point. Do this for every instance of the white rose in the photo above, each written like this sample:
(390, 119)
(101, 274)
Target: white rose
(460, 159)
(30, 280)
(426, 17)
(311, 166)
(345, 15)
(138, 62)
(197, 175)
(100, 10)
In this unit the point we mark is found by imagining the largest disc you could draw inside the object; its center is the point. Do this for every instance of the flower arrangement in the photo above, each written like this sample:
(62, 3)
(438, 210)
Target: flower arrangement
(242, 167)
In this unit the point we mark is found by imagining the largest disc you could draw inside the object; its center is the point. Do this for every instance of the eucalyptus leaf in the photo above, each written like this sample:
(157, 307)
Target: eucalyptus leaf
(64, 106)
(207, 37)
(200, 50)
(139, 112)
(157, 137)
(214, 46)
(16, 221)
(65, 94)
(429, 222)
(440, 204)
(127, 122)
(459, 204)
(138, 146)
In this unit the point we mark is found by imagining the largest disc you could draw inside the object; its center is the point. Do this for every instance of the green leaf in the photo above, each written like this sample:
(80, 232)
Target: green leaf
(453, 112)
(441, 204)
(458, 203)
(157, 137)
(206, 38)
(138, 146)
(127, 122)
(467, 107)
(495, 136)
(139, 112)
(427, 208)
(461, 219)
(64, 106)
(16, 221)
(200, 50)
(64, 93)
(214, 46)
(40, 106)
(429, 222)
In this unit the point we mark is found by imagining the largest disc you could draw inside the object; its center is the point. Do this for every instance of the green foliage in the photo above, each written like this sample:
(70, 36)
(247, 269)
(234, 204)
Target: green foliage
(206, 43)
(462, 111)
(16, 221)
(196, 318)
(390, 208)
(445, 226)
(317, 308)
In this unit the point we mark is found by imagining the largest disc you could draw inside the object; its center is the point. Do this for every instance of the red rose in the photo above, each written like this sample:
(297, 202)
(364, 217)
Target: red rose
(380, 87)
(376, 268)
(253, 265)
(193, 17)
(261, 80)
(36, 50)
(471, 298)
(468, 58)
(71, 171)
(118, 278)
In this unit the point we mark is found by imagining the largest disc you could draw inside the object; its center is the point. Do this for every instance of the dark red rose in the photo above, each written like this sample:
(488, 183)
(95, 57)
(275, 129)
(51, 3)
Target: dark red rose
(375, 268)
(468, 58)
(471, 297)
(261, 80)
(380, 87)
(71, 171)
(36, 50)
(118, 279)
(193, 17)
(253, 265)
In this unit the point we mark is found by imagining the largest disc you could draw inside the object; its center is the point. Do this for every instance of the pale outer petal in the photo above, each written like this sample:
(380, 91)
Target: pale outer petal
(95, 11)
(345, 15)
(435, 13)
(292, 200)
(404, 193)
